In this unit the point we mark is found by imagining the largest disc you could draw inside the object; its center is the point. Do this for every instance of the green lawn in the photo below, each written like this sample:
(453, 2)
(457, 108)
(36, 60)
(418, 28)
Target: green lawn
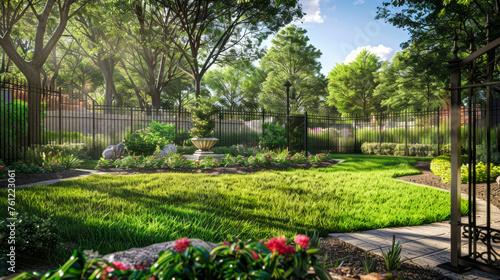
(112, 213)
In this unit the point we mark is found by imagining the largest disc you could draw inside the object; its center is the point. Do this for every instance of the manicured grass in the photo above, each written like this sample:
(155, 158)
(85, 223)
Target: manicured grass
(112, 213)
(88, 164)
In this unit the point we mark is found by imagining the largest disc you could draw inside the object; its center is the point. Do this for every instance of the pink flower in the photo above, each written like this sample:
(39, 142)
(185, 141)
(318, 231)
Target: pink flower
(270, 159)
(227, 243)
(255, 256)
(120, 266)
(302, 240)
(196, 162)
(216, 160)
(136, 158)
(52, 162)
(99, 162)
(181, 245)
(183, 160)
(119, 159)
(278, 244)
(310, 156)
(297, 157)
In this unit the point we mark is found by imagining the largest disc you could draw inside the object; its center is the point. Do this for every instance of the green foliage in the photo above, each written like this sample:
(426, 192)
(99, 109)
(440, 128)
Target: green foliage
(441, 166)
(36, 237)
(332, 199)
(314, 238)
(369, 263)
(238, 260)
(237, 150)
(481, 151)
(147, 141)
(292, 59)
(274, 136)
(392, 257)
(395, 149)
(351, 86)
(14, 123)
(203, 118)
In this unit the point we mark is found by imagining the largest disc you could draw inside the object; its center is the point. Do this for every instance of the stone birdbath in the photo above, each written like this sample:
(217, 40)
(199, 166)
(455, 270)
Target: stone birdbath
(203, 126)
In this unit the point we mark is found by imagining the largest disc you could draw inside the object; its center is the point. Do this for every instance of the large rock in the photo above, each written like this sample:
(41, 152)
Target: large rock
(169, 149)
(113, 151)
(498, 180)
(148, 255)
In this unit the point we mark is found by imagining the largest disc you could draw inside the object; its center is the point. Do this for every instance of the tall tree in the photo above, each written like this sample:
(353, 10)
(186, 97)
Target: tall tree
(221, 30)
(352, 85)
(404, 85)
(12, 14)
(94, 31)
(292, 59)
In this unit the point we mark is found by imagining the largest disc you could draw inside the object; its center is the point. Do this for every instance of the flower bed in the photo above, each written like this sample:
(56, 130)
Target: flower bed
(178, 161)
(274, 259)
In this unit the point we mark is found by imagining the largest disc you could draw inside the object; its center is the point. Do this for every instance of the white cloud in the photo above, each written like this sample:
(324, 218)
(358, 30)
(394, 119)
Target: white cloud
(312, 10)
(385, 53)
(359, 2)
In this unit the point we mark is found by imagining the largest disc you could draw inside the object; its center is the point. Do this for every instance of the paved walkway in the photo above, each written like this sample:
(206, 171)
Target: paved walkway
(53, 181)
(426, 245)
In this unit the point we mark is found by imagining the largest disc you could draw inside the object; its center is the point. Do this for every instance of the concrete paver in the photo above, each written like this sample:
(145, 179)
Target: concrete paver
(425, 245)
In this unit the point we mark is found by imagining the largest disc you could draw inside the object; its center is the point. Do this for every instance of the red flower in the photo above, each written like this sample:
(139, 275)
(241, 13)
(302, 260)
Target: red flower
(302, 240)
(255, 256)
(226, 243)
(278, 244)
(181, 245)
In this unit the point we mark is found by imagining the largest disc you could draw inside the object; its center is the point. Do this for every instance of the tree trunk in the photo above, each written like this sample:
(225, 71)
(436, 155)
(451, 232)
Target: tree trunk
(107, 68)
(197, 83)
(34, 107)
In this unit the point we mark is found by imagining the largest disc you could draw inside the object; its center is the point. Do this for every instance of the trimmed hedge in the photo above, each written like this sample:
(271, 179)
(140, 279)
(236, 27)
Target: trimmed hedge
(396, 149)
(441, 166)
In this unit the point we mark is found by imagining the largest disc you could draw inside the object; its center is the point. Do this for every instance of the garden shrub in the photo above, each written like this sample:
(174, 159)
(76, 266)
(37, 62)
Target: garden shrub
(35, 237)
(203, 118)
(144, 142)
(275, 259)
(274, 136)
(188, 150)
(441, 166)
(395, 149)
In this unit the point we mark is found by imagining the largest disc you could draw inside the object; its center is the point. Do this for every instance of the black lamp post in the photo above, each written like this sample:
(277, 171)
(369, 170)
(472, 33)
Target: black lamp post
(287, 85)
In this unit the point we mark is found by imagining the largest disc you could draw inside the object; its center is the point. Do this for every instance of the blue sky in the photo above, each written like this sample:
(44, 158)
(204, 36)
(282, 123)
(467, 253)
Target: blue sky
(342, 28)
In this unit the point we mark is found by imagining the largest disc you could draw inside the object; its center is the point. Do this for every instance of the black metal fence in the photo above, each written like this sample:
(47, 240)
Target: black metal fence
(80, 120)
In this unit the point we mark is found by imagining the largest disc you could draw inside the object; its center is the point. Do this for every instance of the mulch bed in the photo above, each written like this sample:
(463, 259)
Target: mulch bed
(429, 179)
(34, 178)
(222, 170)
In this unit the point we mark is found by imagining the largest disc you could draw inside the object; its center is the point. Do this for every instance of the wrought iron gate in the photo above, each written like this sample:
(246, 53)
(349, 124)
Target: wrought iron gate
(480, 233)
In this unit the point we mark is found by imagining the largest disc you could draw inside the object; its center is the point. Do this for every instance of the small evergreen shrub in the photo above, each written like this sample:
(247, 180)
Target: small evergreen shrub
(35, 237)
(144, 142)
(274, 136)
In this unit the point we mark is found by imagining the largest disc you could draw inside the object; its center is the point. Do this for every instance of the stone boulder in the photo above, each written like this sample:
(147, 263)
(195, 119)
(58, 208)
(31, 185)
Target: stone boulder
(148, 255)
(498, 180)
(169, 149)
(113, 151)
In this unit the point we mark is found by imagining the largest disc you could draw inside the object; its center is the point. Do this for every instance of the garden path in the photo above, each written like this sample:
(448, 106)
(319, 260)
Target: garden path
(425, 245)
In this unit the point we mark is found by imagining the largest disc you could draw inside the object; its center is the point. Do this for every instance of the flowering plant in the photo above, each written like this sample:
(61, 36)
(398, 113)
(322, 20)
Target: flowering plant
(274, 259)
(203, 119)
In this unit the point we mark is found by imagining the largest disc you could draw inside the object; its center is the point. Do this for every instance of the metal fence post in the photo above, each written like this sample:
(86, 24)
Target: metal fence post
(455, 234)
(60, 116)
(305, 132)
(354, 128)
(438, 137)
(132, 119)
(406, 132)
(328, 131)
(93, 129)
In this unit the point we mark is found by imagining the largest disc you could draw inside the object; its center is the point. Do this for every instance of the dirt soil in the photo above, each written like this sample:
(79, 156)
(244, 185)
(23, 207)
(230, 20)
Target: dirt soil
(429, 179)
(222, 170)
(336, 250)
